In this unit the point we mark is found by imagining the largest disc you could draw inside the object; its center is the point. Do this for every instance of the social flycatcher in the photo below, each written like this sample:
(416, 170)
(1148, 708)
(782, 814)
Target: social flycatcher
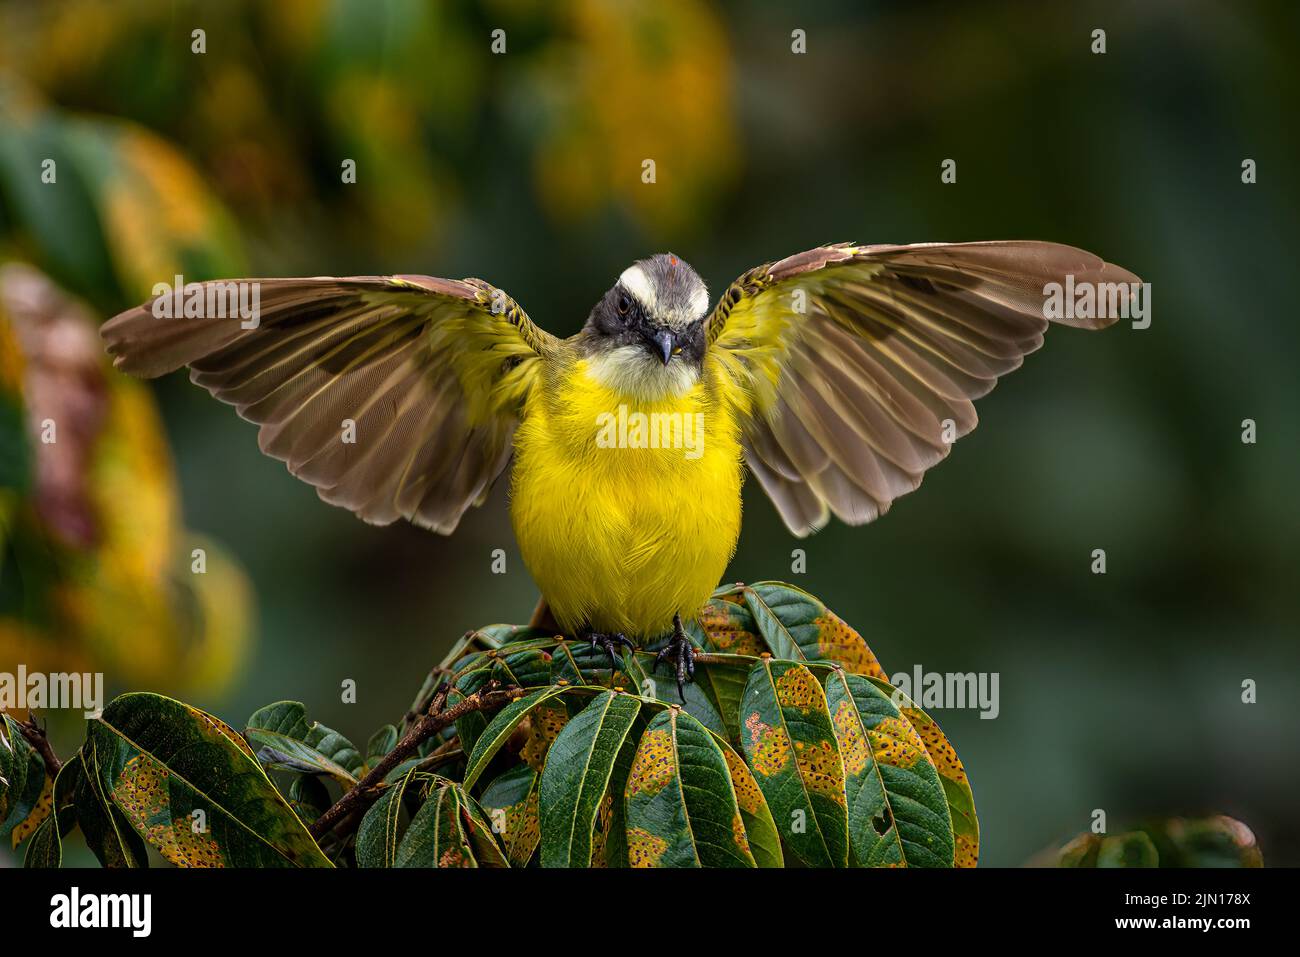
(838, 375)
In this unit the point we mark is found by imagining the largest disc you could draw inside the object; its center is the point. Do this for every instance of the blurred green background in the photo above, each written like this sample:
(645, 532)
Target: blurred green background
(1119, 691)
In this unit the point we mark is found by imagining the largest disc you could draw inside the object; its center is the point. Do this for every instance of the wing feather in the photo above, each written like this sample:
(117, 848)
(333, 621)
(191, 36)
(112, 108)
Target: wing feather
(854, 367)
(431, 372)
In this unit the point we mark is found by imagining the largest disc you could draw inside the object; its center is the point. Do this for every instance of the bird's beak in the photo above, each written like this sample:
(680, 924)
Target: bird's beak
(663, 344)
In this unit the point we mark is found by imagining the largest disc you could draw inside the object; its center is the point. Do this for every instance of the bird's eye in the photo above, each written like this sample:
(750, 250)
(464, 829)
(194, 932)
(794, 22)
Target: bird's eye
(624, 304)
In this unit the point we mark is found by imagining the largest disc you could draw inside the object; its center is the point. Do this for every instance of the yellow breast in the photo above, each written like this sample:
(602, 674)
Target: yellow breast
(626, 508)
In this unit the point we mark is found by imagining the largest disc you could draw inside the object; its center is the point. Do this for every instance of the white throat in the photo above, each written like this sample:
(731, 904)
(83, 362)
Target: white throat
(635, 372)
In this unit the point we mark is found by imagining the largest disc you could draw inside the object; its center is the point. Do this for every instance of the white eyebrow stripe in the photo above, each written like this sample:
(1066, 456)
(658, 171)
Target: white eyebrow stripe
(634, 281)
(699, 302)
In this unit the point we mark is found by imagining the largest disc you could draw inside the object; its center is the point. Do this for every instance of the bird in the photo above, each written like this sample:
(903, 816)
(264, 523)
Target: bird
(837, 377)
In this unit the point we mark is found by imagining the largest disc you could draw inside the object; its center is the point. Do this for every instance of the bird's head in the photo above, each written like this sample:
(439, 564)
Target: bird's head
(650, 325)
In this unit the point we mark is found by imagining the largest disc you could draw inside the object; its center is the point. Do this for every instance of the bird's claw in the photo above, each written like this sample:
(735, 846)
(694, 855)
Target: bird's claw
(679, 655)
(609, 643)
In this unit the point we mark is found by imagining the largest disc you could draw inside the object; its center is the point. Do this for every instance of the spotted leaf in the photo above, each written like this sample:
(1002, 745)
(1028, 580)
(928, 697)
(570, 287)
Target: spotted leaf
(760, 830)
(501, 727)
(449, 830)
(190, 786)
(898, 815)
(45, 850)
(510, 803)
(681, 810)
(790, 745)
(577, 775)
(22, 778)
(798, 627)
(956, 786)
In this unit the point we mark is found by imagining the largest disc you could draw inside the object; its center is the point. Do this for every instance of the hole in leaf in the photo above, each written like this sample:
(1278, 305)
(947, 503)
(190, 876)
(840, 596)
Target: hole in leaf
(882, 822)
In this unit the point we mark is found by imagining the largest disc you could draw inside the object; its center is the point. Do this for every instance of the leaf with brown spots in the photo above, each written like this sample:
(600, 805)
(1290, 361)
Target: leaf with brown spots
(449, 830)
(755, 816)
(956, 786)
(22, 778)
(898, 815)
(790, 746)
(577, 776)
(728, 627)
(502, 726)
(681, 808)
(184, 783)
(45, 850)
(510, 803)
(798, 627)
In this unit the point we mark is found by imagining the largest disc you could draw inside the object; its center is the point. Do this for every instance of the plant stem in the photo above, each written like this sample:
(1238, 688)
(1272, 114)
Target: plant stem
(35, 734)
(437, 717)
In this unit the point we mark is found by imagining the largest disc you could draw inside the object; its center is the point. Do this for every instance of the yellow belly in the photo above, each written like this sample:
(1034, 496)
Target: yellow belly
(621, 537)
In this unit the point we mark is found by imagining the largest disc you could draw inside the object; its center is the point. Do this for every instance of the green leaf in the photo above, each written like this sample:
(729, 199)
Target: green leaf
(39, 813)
(609, 845)
(498, 731)
(108, 834)
(662, 687)
(283, 739)
(577, 774)
(510, 803)
(798, 627)
(308, 797)
(791, 747)
(728, 626)
(380, 827)
(681, 810)
(898, 814)
(527, 668)
(190, 785)
(22, 777)
(470, 725)
(498, 636)
(45, 850)
(60, 221)
(580, 664)
(760, 830)
(956, 786)
(449, 830)
(380, 743)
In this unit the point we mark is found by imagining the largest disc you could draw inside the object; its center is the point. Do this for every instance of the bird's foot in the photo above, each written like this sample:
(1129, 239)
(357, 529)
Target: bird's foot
(679, 655)
(609, 642)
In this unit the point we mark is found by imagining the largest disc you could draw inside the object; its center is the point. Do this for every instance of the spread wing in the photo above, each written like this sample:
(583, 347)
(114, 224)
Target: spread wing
(431, 372)
(855, 366)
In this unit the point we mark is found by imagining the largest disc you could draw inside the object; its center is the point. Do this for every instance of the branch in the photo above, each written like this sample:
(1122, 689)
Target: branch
(36, 735)
(438, 716)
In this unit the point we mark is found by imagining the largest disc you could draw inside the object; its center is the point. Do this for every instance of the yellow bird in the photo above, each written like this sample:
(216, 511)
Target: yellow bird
(838, 376)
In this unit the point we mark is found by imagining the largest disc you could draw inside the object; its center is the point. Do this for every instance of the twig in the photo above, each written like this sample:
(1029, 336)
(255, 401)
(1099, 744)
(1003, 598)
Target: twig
(437, 717)
(421, 704)
(35, 734)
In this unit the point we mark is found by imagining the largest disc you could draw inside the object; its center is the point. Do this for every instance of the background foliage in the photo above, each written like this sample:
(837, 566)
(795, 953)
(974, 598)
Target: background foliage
(1119, 691)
